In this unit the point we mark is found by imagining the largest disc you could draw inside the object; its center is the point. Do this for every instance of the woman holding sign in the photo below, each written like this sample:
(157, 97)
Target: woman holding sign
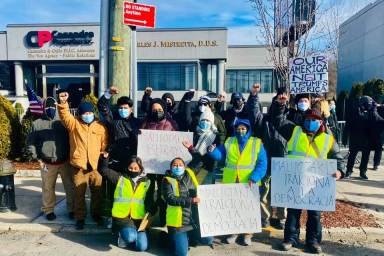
(246, 161)
(130, 203)
(308, 140)
(179, 191)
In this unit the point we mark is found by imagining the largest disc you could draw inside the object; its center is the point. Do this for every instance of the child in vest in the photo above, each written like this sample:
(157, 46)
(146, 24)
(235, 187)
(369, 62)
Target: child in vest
(241, 152)
(130, 202)
(306, 140)
(179, 191)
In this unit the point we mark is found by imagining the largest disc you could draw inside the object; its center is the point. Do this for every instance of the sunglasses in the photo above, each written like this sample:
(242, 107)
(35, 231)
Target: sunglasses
(203, 104)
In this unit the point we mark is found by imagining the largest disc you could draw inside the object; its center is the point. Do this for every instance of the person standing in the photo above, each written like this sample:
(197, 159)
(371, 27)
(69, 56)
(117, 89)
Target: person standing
(241, 152)
(308, 140)
(88, 137)
(48, 143)
(332, 121)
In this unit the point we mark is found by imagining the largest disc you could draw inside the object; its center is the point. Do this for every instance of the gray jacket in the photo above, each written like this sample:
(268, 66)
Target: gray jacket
(48, 141)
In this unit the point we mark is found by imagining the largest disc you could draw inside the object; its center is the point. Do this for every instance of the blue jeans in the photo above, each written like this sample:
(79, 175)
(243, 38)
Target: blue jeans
(130, 236)
(292, 227)
(179, 241)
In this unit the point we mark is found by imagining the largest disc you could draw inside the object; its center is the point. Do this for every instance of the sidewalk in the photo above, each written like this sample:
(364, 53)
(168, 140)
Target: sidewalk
(28, 217)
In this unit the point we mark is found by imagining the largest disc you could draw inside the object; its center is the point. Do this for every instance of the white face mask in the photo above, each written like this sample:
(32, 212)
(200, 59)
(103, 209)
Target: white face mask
(303, 106)
(202, 108)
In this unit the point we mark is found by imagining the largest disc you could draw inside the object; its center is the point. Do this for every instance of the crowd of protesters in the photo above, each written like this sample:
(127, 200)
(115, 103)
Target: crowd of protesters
(87, 151)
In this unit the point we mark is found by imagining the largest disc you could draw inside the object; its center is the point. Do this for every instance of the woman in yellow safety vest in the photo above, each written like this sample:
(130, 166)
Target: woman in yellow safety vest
(245, 161)
(130, 203)
(179, 192)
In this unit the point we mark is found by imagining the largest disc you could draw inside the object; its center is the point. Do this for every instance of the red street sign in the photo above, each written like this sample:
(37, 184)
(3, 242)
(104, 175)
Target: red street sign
(139, 14)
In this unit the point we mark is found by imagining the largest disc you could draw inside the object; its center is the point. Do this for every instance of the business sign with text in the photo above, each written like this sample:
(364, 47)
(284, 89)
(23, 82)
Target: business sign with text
(139, 15)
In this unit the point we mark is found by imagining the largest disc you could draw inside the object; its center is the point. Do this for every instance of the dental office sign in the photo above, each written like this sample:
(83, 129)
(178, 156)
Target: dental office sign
(139, 15)
(308, 74)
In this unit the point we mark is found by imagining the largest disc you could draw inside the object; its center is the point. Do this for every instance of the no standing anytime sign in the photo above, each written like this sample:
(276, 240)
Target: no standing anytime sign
(139, 14)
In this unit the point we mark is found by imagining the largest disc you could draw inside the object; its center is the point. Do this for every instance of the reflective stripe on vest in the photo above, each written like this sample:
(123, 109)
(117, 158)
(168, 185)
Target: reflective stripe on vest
(175, 213)
(240, 166)
(127, 201)
(300, 145)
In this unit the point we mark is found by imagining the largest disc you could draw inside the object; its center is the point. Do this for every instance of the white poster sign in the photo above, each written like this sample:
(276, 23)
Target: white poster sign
(303, 183)
(157, 149)
(308, 74)
(229, 209)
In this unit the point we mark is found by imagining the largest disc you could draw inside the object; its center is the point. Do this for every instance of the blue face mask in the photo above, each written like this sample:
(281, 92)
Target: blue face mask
(88, 118)
(124, 112)
(204, 125)
(241, 134)
(178, 171)
(303, 106)
(50, 112)
(312, 125)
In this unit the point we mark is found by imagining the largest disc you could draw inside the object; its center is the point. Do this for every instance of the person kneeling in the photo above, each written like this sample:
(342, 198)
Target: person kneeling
(179, 191)
(130, 203)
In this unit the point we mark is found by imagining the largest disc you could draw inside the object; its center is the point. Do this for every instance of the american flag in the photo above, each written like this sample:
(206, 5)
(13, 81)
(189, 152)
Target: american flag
(35, 105)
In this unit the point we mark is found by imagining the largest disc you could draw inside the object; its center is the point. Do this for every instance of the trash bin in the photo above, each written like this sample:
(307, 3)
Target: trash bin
(7, 186)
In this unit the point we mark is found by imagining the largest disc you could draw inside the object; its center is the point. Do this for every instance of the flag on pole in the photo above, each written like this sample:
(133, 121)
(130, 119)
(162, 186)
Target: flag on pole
(36, 106)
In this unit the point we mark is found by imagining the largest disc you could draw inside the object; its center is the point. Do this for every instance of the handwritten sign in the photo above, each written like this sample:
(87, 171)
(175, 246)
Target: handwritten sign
(228, 209)
(308, 74)
(303, 183)
(157, 149)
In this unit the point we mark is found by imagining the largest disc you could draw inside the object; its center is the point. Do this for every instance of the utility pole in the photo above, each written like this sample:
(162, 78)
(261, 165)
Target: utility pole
(104, 38)
(120, 42)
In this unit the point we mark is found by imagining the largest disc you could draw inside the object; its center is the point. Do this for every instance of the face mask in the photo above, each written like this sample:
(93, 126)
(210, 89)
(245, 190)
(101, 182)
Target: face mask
(332, 107)
(303, 106)
(133, 174)
(312, 125)
(124, 112)
(88, 118)
(158, 115)
(178, 171)
(241, 134)
(238, 104)
(50, 112)
(204, 125)
(202, 108)
(169, 105)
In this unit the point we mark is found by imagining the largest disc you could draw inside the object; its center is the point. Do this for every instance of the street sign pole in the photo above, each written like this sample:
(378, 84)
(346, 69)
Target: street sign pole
(103, 62)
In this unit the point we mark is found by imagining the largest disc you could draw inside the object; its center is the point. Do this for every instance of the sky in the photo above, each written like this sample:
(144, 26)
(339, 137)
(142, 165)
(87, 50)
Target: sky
(237, 15)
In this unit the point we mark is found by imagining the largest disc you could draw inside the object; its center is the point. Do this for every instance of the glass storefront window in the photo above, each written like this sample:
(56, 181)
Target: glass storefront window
(209, 74)
(242, 80)
(167, 76)
(5, 77)
(68, 68)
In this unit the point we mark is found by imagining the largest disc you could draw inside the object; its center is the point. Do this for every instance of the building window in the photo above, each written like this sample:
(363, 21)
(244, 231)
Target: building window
(242, 80)
(209, 76)
(5, 77)
(167, 76)
(68, 68)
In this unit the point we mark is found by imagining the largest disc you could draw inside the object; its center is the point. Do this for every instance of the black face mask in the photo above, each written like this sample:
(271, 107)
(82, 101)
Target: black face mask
(237, 104)
(133, 174)
(169, 106)
(158, 115)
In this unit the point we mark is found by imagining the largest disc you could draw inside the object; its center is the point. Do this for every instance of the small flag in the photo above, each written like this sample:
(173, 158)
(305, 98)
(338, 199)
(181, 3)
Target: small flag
(36, 106)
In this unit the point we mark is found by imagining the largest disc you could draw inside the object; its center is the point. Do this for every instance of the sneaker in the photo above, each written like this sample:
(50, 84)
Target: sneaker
(363, 176)
(51, 216)
(375, 168)
(247, 240)
(231, 239)
(71, 215)
(80, 224)
(277, 224)
(286, 246)
(121, 242)
(314, 248)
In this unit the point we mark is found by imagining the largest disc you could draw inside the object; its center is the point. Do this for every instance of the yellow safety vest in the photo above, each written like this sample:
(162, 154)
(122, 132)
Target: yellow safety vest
(174, 216)
(300, 145)
(129, 202)
(240, 166)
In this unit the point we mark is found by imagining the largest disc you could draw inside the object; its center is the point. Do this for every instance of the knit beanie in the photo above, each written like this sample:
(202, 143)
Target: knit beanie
(85, 107)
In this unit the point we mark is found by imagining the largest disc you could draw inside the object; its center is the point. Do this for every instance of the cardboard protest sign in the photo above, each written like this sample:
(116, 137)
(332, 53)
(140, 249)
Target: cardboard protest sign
(229, 209)
(308, 74)
(305, 183)
(157, 149)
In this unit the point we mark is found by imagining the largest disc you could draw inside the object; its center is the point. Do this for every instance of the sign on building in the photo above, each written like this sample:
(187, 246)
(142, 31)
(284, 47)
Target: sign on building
(157, 149)
(228, 209)
(139, 14)
(308, 74)
(303, 183)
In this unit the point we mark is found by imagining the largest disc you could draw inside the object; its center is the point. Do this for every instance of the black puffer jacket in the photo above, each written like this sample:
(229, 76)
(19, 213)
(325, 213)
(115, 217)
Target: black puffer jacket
(123, 135)
(187, 192)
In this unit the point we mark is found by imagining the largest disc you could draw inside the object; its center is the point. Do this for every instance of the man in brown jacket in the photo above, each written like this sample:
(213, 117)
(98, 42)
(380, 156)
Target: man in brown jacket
(87, 138)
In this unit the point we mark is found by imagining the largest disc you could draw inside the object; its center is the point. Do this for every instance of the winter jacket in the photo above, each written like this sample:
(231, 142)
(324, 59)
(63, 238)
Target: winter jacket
(164, 125)
(123, 135)
(86, 141)
(48, 141)
(333, 125)
(260, 168)
(187, 192)
(286, 127)
(114, 177)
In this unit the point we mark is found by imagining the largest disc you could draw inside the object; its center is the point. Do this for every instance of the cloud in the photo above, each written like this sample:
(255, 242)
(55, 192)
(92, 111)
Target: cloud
(245, 35)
